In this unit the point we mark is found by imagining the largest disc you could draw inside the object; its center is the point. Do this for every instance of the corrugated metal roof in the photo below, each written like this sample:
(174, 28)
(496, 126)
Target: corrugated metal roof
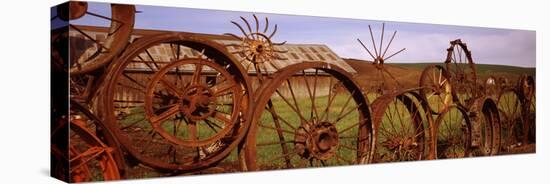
(296, 53)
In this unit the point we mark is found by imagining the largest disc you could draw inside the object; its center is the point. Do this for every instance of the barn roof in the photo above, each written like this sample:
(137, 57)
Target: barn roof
(297, 53)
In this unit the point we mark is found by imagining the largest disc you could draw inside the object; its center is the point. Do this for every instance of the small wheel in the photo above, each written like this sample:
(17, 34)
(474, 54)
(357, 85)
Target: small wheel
(453, 128)
(492, 86)
(510, 109)
(257, 48)
(399, 128)
(527, 87)
(503, 82)
(189, 112)
(97, 53)
(462, 71)
(90, 159)
(87, 158)
(310, 114)
(180, 112)
(436, 88)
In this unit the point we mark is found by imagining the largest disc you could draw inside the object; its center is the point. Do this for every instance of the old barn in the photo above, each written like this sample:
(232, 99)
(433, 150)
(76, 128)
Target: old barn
(297, 53)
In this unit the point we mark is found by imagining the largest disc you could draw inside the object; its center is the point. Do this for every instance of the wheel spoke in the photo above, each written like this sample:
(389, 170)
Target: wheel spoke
(195, 79)
(163, 116)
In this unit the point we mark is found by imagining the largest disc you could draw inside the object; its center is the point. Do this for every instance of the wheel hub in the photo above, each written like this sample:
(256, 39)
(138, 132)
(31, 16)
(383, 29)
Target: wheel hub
(379, 62)
(197, 102)
(316, 140)
(407, 143)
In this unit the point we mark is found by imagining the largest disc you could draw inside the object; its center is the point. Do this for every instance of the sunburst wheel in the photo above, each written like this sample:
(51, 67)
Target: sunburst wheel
(310, 115)
(386, 81)
(257, 46)
(178, 112)
(462, 71)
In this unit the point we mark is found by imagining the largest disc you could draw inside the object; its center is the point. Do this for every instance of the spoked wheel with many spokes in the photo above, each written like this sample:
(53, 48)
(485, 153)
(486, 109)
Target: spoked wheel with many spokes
(462, 72)
(510, 109)
(453, 133)
(400, 123)
(309, 115)
(435, 88)
(180, 112)
(188, 111)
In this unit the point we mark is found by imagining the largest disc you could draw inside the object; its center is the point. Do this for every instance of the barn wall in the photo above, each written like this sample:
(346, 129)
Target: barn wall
(299, 86)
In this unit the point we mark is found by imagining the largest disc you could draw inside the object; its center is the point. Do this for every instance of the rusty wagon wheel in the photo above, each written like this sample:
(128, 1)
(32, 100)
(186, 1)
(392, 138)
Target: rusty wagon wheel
(179, 112)
(400, 128)
(526, 85)
(215, 105)
(435, 88)
(486, 127)
(531, 114)
(453, 133)
(97, 53)
(462, 71)
(308, 115)
(87, 158)
(510, 109)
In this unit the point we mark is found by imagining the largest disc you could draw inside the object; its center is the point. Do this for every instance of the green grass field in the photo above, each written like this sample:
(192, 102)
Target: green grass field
(270, 154)
(396, 125)
(481, 69)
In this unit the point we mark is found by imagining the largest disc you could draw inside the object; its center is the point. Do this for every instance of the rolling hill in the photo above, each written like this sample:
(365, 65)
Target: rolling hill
(407, 75)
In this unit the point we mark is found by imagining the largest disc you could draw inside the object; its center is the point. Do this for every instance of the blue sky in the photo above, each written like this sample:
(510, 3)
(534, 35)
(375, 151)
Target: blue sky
(423, 42)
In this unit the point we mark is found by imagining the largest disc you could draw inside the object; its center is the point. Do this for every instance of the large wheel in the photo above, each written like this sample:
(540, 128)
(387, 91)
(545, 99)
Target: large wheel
(527, 86)
(486, 127)
(510, 109)
(309, 115)
(462, 71)
(179, 112)
(98, 53)
(435, 88)
(400, 128)
(453, 133)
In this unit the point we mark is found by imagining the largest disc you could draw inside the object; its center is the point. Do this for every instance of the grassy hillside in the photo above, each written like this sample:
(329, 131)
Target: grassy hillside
(482, 69)
(408, 74)
(368, 76)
